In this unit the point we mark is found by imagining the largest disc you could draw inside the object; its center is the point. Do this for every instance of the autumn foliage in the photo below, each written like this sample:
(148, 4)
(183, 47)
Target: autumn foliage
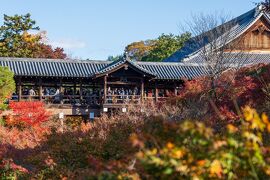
(198, 135)
(234, 89)
(29, 113)
(197, 152)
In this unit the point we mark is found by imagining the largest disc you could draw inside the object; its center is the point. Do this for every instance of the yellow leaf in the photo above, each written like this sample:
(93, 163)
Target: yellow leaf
(248, 113)
(216, 168)
(170, 145)
(178, 154)
(265, 118)
(231, 128)
(201, 163)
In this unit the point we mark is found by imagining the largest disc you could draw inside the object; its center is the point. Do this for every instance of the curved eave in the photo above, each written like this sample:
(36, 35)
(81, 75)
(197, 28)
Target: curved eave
(114, 67)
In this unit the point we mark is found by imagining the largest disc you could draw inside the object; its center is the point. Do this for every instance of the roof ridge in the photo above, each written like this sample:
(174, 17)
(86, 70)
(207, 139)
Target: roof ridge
(238, 24)
(258, 16)
(52, 60)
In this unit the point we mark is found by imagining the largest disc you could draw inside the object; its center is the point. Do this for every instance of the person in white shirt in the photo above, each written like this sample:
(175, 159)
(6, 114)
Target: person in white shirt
(32, 92)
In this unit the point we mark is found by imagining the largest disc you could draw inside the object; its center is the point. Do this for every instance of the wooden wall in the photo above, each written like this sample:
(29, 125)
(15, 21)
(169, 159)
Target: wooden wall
(257, 38)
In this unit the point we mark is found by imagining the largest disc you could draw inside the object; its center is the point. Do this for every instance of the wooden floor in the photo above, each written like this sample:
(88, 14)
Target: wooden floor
(73, 110)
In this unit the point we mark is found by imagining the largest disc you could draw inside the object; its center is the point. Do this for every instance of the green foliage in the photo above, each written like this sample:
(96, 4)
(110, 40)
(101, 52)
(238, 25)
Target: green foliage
(157, 49)
(7, 85)
(15, 40)
(165, 46)
(18, 40)
(114, 58)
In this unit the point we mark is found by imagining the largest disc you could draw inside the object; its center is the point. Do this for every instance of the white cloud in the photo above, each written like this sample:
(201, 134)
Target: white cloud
(68, 43)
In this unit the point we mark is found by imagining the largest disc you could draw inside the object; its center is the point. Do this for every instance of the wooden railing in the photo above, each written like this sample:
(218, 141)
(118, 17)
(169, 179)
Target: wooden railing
(122, 99)
(61, 99)
(88, 100)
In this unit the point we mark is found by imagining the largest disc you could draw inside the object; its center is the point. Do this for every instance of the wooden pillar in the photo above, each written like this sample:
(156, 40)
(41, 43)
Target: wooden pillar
(81, 92)
(105, 89)
(40, 89)
(61, 86)
(142, 89)
(156, 92)
(175, 89)
(74, 89)
(19, 89)
(61, 91)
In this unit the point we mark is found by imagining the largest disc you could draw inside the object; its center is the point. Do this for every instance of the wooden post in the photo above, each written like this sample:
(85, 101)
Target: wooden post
(61, 86)
(74, 89)
(142, 90)
(105, 89)
(19, 89)
(40, 89)
(61, 91)
(175, 89)
(81, 92)
(156, 92)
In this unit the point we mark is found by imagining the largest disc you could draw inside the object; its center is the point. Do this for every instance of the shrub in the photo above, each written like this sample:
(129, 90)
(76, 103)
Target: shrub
(7, 85)
(195, 151)
(29, 113)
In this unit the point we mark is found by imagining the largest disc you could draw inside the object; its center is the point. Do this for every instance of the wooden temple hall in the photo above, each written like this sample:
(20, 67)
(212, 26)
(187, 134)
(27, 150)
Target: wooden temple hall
(78, 87)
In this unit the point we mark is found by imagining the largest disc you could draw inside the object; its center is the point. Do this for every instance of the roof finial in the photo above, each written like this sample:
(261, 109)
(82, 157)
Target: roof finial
(126, 56)
(263, 6)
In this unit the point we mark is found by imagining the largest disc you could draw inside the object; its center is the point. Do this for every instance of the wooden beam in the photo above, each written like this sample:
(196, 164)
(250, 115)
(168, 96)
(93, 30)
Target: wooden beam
(122, 83)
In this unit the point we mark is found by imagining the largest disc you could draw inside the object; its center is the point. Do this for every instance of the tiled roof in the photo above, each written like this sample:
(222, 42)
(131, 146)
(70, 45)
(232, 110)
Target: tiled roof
(239, 26)
(120, 62)
(84, 68)
(235, 58)
(54, 68)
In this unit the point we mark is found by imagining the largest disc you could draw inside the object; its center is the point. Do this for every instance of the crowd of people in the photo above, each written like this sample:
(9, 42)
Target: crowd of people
(88, 95)
(120, 95)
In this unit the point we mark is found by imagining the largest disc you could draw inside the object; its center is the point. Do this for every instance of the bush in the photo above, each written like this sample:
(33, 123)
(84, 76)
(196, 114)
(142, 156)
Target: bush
(195, 151)
(28, 113)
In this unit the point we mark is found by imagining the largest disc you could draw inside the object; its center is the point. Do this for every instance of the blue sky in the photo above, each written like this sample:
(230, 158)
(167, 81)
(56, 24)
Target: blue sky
(95, 29)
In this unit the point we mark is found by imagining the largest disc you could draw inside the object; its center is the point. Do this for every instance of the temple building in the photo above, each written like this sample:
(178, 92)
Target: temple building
(78, 87)
(251, 29)
(82, 86)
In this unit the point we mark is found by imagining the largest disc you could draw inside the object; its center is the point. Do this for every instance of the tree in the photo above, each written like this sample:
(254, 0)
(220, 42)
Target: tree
(30, 113)
(7, 85)
(165, 46)
(47, 51)
(138, 50)
(212, 36)
(17, 41)
(115, 58)
(156, 49)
